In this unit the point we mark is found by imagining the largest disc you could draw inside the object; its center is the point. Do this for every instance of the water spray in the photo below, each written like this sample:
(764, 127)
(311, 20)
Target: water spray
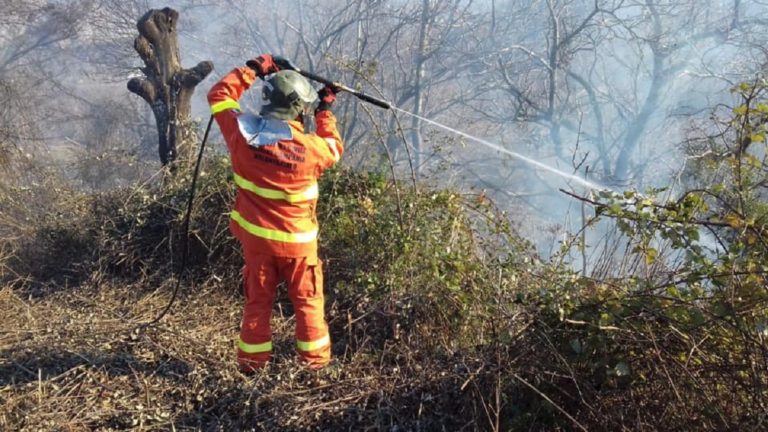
(386, 105)
(516, 155)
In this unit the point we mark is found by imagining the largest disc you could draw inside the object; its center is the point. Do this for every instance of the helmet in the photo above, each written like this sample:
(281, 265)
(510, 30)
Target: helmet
(286, 95)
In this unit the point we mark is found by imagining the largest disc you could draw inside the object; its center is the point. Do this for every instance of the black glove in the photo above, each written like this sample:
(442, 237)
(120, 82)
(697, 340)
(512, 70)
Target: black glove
(283, 63)
(327, 97)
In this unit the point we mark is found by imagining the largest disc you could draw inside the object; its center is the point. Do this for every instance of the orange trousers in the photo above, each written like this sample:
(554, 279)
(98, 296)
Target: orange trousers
(304, 279)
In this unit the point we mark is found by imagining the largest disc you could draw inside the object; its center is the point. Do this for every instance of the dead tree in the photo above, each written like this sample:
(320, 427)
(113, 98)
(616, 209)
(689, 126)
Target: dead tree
(166, 86)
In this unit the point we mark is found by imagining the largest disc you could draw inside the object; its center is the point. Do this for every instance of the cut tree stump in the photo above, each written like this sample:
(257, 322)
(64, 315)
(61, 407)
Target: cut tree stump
(166, 86)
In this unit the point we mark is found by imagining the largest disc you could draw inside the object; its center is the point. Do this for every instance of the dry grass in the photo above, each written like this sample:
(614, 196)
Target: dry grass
(76, 360)
(431, 330)
(73, 355)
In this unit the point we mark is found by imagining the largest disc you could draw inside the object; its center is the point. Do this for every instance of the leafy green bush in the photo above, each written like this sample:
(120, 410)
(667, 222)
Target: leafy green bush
(681, 343)
(419, 262)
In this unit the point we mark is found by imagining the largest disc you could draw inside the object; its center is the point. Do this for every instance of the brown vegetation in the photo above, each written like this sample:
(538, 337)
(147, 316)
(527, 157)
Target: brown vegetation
(442, 318)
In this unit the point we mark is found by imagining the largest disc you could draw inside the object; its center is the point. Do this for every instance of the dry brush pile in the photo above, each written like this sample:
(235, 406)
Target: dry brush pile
(442, 319)
(86, 277)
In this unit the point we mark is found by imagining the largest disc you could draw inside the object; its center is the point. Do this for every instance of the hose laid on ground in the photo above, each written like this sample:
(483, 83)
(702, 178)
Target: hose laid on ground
(185, 231)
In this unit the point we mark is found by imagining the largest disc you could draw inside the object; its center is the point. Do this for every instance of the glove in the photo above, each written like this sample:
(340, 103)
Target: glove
(327, 97)
(283, 63)
(264, 65)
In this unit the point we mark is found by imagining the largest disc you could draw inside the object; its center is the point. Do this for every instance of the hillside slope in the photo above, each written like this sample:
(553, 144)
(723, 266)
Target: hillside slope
(442, 319)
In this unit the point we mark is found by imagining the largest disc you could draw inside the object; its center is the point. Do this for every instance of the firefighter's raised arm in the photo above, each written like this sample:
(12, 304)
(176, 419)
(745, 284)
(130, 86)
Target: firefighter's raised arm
(326, 127)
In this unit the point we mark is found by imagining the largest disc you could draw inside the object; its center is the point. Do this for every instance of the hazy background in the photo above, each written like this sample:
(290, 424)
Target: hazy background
(608, 90)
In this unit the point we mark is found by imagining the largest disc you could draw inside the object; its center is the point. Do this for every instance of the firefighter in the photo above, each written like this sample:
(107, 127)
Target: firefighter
(276, 166)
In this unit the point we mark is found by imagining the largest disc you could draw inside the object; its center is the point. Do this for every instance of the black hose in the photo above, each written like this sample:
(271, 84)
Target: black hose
(185, 238)
(341, 87)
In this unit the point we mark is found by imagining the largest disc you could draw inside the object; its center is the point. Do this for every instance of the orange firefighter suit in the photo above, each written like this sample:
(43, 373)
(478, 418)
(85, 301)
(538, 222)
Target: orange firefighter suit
(274, 218)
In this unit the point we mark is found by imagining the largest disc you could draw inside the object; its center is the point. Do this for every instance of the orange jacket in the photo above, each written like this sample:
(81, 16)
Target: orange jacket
(275, 208)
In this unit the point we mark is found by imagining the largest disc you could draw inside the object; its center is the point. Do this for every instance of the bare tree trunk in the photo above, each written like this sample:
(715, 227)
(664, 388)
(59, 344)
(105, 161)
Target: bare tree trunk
(418, 102)
(638, 125)
(554, 59)
(166, 86)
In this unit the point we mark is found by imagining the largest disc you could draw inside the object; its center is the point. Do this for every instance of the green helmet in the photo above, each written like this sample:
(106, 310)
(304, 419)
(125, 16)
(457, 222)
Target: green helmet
(286, 95)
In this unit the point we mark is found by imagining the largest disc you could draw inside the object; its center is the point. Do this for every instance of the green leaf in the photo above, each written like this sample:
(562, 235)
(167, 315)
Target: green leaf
(650, 255)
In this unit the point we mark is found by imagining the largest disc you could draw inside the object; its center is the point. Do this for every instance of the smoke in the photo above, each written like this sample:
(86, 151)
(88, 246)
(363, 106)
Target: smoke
(605, 94)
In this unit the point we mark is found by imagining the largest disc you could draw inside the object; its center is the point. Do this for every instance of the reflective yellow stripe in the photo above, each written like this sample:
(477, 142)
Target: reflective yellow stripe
(254, 348)
(270, 234)
(224, 105)
(314, 345)
(309, 194)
